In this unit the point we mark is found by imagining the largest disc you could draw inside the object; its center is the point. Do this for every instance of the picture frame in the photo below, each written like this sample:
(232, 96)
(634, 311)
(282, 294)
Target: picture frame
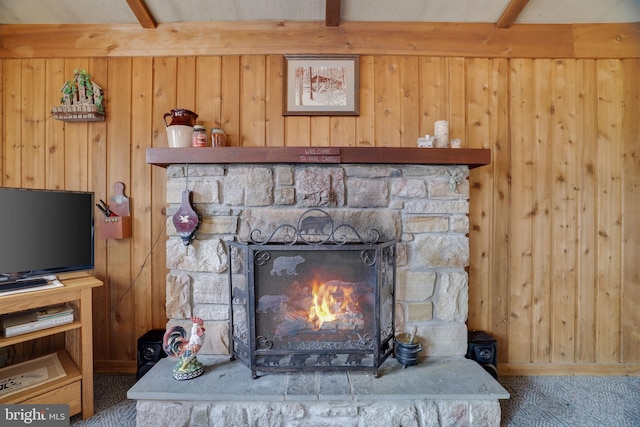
(321, 85)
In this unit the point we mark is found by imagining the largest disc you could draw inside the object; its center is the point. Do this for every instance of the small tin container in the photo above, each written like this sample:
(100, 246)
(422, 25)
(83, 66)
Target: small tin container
(199, 136)
(218, 138)
(406, 349)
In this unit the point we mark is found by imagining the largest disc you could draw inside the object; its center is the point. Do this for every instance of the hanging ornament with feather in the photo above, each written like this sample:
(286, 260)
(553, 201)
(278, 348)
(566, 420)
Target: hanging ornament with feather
(186, 219)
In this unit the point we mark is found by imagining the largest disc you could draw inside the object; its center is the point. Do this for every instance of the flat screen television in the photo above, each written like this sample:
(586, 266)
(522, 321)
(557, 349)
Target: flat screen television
(43, 233)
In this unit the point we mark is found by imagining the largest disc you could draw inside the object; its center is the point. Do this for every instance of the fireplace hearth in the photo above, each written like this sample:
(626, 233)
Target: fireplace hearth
(314, 296)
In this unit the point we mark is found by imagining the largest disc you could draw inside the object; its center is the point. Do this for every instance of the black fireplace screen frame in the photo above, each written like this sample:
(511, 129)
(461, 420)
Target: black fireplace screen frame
(256, 265)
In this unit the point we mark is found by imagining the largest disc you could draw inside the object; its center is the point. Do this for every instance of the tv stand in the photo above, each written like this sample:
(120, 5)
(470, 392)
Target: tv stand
(76, 387)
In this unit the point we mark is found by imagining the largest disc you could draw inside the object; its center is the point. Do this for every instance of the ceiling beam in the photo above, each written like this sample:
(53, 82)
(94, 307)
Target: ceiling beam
(140, 9)
(511, 13)
(332, 17)
(472, 40)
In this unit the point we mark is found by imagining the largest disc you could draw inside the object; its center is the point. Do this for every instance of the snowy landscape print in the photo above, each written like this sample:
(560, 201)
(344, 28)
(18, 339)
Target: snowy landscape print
(321, 85)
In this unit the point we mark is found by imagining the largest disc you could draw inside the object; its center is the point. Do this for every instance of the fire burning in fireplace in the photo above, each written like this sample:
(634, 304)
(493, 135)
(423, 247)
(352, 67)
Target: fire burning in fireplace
(332, 304)
(324, 305)
(321, 306)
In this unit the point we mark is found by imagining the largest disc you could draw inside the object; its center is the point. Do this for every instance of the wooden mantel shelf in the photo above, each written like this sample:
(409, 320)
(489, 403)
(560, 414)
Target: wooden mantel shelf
(472, 157)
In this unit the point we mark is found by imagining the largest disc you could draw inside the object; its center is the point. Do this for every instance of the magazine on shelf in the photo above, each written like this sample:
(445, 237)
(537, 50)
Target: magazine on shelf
(37, 319)
(53, 311)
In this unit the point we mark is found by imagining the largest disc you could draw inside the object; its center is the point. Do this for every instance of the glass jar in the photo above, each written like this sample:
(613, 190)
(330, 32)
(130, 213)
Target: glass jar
(218, 138)
(199, 136)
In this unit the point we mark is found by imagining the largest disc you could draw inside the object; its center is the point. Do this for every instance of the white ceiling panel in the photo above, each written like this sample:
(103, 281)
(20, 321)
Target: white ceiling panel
(423, 11)
(65, 12)
(580, 11)
(118, 11)
(237, 10)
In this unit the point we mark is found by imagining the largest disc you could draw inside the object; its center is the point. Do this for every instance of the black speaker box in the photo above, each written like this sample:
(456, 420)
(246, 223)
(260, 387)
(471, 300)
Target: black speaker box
(149, 351)
(483, 348)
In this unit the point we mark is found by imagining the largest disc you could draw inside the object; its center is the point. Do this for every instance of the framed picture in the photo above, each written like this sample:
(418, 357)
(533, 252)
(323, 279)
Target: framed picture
(321, 85)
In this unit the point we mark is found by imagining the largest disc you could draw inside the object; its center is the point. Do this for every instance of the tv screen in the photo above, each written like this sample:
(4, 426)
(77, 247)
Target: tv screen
(44, 232)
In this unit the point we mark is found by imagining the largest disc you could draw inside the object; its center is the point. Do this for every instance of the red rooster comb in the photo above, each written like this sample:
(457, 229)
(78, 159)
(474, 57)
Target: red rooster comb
(197, 321)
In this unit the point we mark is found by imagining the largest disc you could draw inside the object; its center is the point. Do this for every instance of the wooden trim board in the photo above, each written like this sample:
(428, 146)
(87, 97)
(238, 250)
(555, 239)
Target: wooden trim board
(547, 369)
(471, 40)
(473, 157)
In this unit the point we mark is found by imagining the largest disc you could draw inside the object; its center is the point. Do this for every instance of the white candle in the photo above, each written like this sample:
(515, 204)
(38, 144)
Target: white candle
(441, 134)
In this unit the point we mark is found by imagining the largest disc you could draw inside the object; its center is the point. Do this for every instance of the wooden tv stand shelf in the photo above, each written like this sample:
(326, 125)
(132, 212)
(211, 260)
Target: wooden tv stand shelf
(76, 387)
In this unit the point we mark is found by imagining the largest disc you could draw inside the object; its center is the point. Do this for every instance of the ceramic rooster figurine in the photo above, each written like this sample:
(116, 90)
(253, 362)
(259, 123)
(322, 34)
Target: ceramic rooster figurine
(175, 344)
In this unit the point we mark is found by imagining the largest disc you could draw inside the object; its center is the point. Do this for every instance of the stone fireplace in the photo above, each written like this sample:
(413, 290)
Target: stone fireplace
(416, 198)
(424, 208)
(312, 296)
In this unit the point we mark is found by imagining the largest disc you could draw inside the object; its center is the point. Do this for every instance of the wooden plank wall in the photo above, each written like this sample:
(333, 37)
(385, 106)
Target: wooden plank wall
(554, 273)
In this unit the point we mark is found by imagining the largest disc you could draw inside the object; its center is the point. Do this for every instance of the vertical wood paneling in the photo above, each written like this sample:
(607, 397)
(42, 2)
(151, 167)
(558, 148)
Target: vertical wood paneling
(208, 92)
(33, 124)
(541, 212)
(388, 101)
(478, 98)
(433, 93)
(608, 302)
(12, 138)
(553, 272)
(587, 142)
(139, 194)
(410, 101)
(365, 131)
(54, 133)
(252, 99)
(522, 212)
(274, 120)
(119, 251)
(99, 185)
(499, 236)
(631, 212)
(487, 100)
(97, 131)
(297, 131)
(456, 102)
(186, 83)
(320, 131)
(343, 131)
(164, 99)
(564, 210)
(230, 115)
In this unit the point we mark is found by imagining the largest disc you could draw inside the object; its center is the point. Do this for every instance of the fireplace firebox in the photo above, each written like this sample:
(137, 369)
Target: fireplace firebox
(312, 296)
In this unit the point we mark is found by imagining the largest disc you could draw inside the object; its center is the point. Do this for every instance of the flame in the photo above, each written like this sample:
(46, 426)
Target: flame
(325, 306)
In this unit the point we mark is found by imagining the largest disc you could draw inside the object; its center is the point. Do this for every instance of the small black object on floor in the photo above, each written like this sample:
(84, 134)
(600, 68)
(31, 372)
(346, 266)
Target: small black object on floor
(149, 351)
(483, 349)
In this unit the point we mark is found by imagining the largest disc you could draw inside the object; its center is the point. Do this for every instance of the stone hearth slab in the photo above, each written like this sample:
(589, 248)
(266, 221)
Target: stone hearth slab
(447, 391)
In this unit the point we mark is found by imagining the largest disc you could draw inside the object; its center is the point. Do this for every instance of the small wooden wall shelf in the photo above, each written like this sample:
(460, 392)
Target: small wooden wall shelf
(116, 227)
(473, 157)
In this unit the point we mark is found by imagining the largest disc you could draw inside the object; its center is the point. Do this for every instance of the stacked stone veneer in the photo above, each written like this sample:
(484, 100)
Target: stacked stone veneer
(425, 208)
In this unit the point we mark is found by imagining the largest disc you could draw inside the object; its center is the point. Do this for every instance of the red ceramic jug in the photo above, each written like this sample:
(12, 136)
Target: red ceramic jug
(180, 116)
